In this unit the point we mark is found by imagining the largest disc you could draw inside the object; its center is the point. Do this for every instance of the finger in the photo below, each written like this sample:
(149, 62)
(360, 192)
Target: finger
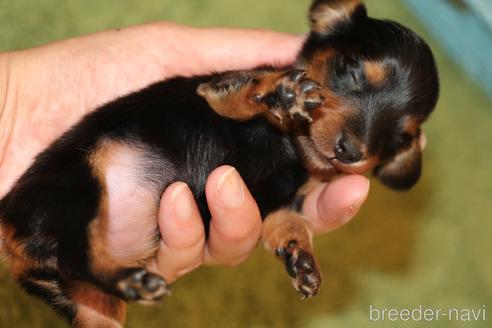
(331, 205)
(201, 51)
(422, 140)
(235, 227)
(183, 235)
(246, 48)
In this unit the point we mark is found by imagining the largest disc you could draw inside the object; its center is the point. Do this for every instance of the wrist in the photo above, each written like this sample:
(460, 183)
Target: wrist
(5, 112)
(7, 120)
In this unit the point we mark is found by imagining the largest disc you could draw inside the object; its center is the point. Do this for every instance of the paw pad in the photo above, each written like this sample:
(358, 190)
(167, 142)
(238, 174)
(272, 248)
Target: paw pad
(294, 95)
(301, 266)
(141, 285)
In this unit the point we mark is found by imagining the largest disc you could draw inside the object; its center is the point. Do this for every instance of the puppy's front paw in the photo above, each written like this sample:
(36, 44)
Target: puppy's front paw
(293, 94)
(141, 285)
(302, 267)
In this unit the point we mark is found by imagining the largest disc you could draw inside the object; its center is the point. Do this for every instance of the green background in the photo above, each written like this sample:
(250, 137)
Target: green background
(430, 247)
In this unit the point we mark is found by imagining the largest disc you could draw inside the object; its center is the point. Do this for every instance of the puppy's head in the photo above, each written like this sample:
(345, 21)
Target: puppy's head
(384, 79)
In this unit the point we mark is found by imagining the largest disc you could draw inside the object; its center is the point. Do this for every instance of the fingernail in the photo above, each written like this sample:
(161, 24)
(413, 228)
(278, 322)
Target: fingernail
(358, 203)
(182, 201)
(230, 188)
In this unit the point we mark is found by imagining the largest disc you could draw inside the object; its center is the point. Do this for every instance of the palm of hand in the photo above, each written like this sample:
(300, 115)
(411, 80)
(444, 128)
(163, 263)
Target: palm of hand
(59, 83)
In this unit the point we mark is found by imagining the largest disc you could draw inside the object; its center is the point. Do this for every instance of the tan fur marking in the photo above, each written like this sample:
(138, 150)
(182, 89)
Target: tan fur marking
(14, 254)
(404, 161)
(317, 65)
(87, 317)
(95, 308)
(101, 260)
(411, 126)
(320, 146)
(375, 72)
(18, 262)
(238, 103)
(284, 225)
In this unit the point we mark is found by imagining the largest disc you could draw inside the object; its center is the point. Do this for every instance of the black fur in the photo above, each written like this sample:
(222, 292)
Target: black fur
(54, 201)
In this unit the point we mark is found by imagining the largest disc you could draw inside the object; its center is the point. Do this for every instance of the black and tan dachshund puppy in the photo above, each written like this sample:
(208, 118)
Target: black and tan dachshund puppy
(353, 102)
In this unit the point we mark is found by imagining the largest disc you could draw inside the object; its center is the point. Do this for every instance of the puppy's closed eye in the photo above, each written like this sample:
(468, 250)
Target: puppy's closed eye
(348, 74)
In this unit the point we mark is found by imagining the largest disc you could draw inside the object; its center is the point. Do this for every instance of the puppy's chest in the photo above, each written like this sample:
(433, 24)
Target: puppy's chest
(270, 166)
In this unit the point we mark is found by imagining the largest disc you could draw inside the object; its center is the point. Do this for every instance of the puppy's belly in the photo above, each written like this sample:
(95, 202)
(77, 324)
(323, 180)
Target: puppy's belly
(133, 177)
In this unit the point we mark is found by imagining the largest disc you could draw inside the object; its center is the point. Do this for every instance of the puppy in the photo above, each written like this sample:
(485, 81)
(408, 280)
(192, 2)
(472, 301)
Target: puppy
(353, 102)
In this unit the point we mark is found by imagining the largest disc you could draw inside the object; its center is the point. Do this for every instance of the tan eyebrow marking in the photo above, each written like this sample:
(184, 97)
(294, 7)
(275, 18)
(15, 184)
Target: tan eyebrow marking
(375, 72)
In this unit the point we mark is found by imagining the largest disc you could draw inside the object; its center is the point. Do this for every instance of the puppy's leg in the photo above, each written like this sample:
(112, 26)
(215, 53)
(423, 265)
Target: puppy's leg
(38, 262)
(99, 296)
(80, 303)
(39, 276)
(57, 243)
(88, 300)
(123, 275)
(282, 96)
(125, 278)
(287, 234)
(95, 308)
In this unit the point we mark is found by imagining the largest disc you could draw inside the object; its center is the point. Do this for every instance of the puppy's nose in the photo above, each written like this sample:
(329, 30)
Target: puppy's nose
(347, 153)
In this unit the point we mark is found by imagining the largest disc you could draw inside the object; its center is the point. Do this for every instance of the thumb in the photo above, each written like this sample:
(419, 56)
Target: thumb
(331, 205)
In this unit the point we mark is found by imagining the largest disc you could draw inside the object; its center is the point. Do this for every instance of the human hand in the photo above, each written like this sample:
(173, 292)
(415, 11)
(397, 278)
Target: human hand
(235, 230)
(48, 89)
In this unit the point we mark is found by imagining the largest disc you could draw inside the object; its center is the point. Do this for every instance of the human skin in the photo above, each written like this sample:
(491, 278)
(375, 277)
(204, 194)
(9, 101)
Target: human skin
(45, 90)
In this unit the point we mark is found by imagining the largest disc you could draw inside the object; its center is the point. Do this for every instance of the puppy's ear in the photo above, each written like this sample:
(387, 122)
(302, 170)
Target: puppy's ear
(403, 171)
(328, 16)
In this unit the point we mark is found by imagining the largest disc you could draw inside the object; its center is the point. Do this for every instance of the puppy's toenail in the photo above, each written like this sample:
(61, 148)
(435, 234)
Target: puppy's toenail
(310, 104)
(297, 75)
(308, 86)
(292, 243)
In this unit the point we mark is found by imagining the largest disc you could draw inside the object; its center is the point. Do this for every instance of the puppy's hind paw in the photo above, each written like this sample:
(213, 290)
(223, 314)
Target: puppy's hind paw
(302, 267)
(142, 286)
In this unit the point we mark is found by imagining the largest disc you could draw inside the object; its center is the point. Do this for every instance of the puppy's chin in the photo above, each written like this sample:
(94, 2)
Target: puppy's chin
(359, 167)
(314, 159)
